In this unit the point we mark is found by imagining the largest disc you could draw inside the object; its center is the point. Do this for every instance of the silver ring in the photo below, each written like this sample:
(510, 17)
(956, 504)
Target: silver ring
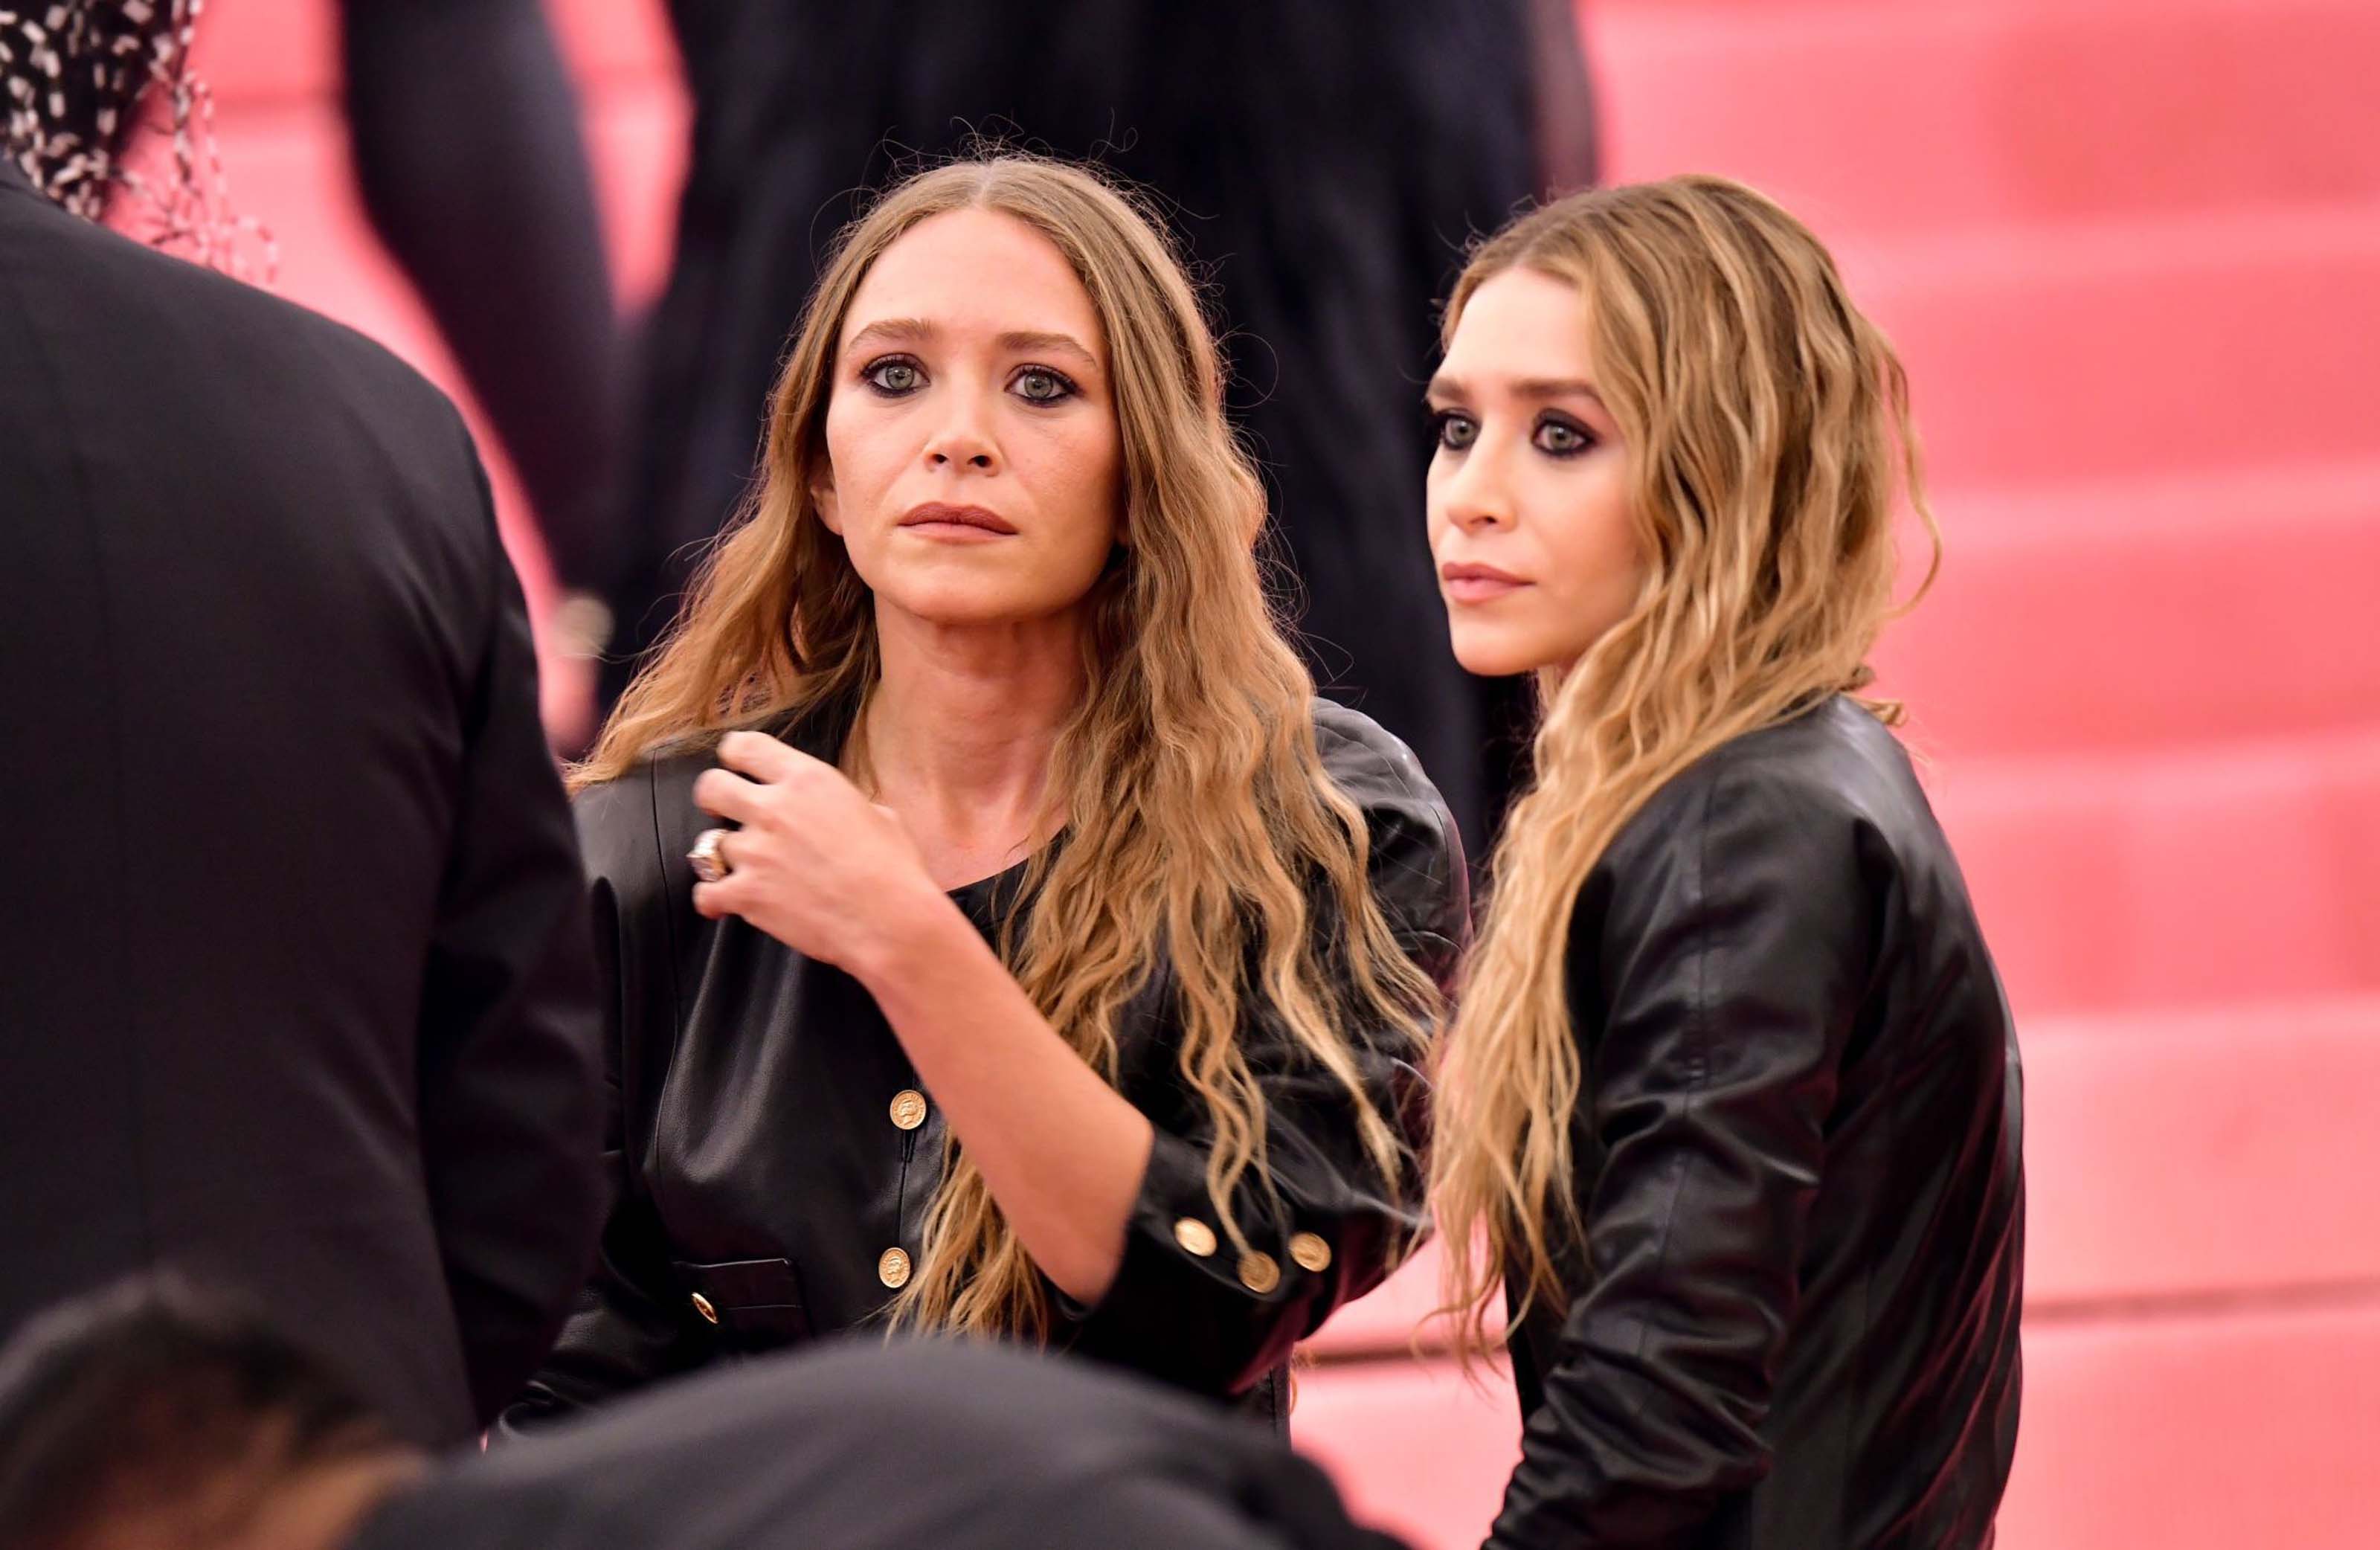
(707, 863)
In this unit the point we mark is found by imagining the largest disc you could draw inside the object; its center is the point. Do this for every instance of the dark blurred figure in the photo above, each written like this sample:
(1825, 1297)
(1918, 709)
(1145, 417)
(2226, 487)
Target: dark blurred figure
(151, 1417)
(467, 154)
(1326, 158)
(293, 963)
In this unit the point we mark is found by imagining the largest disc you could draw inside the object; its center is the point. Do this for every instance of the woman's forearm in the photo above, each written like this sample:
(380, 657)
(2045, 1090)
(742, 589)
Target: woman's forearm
(1063, 1152)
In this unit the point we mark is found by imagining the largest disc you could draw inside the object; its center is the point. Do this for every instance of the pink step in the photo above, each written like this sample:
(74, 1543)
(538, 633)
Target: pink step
(2151, 348)
(2202, 1153)
(2214, 1430)
(2195, 608)
(2193, 1152)
(2198, 1431)
(2233, 874)
(1415, 1446)
(1875, 118)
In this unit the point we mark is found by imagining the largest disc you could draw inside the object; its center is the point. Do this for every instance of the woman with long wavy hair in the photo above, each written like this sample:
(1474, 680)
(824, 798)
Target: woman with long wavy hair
(1059, 969)
(1730, 1114)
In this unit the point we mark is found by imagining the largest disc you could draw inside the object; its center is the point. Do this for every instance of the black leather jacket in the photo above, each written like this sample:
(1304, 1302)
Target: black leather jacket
(1794, 1322)
(772, 1147)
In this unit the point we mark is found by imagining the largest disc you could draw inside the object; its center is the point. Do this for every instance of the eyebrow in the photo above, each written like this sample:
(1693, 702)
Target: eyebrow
(917, 331)
(1526, 387)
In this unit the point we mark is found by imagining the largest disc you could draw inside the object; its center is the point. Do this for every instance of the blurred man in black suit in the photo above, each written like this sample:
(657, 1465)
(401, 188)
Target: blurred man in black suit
(293, 963)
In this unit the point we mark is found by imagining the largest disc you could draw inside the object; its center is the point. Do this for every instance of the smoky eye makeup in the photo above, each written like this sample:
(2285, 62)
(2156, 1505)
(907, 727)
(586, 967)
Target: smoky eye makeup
(895, 376)
(1559, 435)
(1453, 428)
(1043, 385)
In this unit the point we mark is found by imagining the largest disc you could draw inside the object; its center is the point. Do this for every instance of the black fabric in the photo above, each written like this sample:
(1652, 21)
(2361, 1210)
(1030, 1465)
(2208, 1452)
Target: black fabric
(757, 1163)
(1324, 163)
(1800, 1171)
(464, 134)
(858, 1448)
(294, 968)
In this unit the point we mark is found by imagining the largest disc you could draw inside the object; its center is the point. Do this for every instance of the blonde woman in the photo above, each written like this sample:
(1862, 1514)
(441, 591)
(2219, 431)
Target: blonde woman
(1001, 938)
(1731, 1110)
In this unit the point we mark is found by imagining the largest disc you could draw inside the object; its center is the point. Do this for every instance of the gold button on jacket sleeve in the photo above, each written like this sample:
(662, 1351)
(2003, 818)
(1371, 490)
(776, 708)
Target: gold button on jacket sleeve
(1195, 1236)
(1259, 1272)
(1310, 1251)
(702, 1305)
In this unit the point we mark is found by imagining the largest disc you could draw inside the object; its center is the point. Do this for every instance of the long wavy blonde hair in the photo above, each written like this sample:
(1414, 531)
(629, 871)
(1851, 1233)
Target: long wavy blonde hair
(1198, 824)
(1767, 427)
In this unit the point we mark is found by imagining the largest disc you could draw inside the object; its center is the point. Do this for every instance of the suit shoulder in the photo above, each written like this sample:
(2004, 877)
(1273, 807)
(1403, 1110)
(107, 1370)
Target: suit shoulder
(202, 320)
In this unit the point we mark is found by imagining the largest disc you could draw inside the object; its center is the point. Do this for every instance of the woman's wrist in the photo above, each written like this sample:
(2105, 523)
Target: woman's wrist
(914, 932)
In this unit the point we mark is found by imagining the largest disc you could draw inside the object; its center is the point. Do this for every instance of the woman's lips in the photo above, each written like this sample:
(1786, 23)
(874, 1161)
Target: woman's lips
(1476, 584)
(937, 520)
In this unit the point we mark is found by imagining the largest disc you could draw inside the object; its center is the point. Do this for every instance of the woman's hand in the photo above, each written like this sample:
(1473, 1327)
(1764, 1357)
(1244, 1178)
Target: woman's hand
(816, 864)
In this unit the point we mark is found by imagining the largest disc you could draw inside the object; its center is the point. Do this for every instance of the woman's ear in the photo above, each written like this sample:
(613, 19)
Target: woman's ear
(822, 500)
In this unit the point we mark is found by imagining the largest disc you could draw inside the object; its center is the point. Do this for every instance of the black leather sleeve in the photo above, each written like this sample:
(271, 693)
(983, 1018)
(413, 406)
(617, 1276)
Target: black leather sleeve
(630, 1325)
(1187, 1304)
(507, 1052)
(1728, 940)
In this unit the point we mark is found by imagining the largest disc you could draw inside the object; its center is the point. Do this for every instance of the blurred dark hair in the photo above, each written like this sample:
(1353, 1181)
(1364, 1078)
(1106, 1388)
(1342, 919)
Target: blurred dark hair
(76, 76)
(141, 1398)
(72, 76)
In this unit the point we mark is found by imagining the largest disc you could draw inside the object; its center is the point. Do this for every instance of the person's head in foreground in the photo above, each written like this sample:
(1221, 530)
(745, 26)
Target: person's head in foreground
(1667, 450)
(153, 1417)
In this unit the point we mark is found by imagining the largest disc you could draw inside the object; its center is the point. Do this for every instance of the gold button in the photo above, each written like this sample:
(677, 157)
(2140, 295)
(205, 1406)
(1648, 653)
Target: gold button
(892, 1269)
(1310, 1251)
(908, 1109)
(1195, 1236)
(702, 1305)
(1258, 1273)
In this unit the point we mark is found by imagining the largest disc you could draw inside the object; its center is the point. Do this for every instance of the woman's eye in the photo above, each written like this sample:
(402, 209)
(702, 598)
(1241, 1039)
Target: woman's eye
(895, 376)
(1560, 438)
(1456, 432)
(1038, 386)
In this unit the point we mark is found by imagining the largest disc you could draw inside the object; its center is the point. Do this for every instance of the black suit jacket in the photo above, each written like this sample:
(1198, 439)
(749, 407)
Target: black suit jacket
(293, 962)
(928, 1446)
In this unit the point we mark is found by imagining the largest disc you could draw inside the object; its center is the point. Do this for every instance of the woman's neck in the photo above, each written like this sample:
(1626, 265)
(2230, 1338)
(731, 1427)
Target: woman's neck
(957, 734)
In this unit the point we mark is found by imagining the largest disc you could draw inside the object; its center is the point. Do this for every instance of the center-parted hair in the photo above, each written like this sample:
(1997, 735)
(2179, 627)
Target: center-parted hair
(1767, 427)
(1199, 826)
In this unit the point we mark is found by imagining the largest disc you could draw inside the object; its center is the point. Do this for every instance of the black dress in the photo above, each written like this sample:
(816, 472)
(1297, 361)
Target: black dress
(775, 1153)
(1799, 1149)
(1323, 161)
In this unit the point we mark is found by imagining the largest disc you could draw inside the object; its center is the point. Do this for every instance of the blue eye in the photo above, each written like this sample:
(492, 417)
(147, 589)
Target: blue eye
(1455, 431)
(893, 375)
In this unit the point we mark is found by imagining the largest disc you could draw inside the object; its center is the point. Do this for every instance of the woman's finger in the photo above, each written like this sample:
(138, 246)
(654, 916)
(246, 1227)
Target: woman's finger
(728, 795)
(761, 757)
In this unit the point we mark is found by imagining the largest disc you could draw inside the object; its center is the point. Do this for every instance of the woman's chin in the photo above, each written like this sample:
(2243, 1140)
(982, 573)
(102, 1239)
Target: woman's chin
(1492, 654)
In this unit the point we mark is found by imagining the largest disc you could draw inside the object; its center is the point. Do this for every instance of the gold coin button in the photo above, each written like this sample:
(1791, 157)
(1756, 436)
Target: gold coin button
(892, 1269)
(1195, 1236)
(702, 1305)
(1310, 1251)
(908, 1109)
(1258, 1272)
